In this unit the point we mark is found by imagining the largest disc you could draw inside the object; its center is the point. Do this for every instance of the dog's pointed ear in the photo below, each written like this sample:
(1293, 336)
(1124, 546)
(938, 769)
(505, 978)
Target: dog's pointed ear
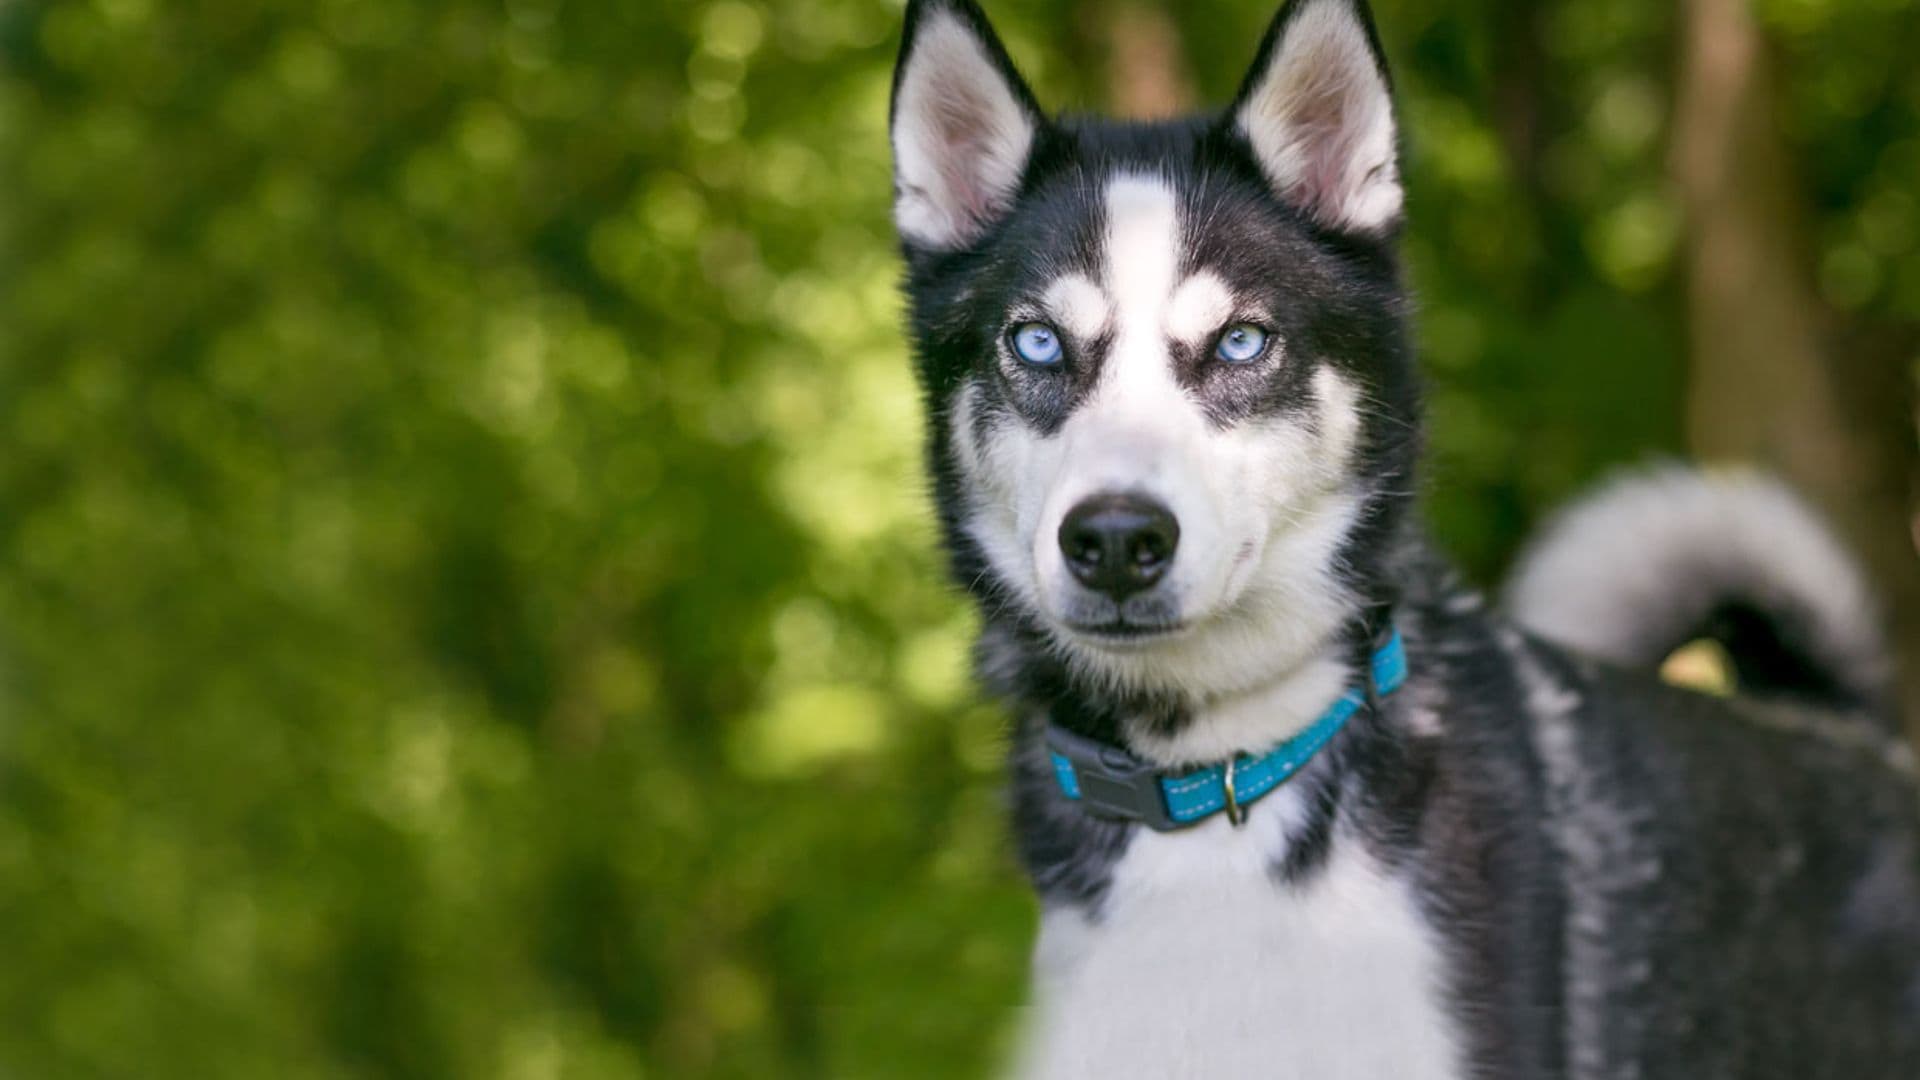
(1317, 109)
(963, 125)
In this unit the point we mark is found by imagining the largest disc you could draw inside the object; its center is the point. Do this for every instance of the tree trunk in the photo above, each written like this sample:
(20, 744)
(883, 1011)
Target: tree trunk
(1769, 381)
(1146, 69)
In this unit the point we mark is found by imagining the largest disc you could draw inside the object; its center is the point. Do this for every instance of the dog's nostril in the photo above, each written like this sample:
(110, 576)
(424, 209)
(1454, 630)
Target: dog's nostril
(1085, 548)
(1119, 544)
(1150, 548)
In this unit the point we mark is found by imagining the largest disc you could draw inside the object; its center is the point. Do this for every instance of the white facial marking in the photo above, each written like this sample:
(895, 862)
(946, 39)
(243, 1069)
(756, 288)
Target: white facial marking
(1340, 415)
(1078, 306)
(1139, 433)
(1200, 308)
(960, 136)
(1263, 504)
(1123, 438)
(1143, 247)
(1321, 121)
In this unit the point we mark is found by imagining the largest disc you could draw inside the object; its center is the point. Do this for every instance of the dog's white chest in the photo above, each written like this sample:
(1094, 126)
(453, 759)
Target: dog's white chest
(1202, 966)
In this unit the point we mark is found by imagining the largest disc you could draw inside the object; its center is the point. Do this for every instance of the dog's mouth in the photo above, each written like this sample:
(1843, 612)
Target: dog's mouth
(1124, 633)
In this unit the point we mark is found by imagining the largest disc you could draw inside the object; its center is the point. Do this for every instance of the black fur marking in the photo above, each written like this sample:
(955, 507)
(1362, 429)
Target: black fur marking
(1772, 656)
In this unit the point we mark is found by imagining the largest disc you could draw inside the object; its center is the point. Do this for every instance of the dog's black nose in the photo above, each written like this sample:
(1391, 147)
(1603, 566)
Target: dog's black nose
(1119, 544)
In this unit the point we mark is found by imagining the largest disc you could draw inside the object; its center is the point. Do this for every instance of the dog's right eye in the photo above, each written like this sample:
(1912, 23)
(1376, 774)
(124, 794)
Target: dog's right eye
(1243, 343)
(1037, 344)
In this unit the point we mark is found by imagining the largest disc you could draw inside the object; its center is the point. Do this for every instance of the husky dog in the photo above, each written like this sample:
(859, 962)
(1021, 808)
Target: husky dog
(1296, 803)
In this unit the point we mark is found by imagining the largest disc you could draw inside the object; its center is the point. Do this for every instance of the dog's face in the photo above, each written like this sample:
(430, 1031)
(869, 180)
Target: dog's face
(1163, 359)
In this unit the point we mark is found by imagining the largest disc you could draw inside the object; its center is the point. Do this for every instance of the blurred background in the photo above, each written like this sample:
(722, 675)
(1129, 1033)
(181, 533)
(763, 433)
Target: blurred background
(468, 605)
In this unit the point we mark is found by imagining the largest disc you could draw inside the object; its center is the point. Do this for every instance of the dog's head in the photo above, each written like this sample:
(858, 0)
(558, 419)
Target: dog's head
(1170, 390)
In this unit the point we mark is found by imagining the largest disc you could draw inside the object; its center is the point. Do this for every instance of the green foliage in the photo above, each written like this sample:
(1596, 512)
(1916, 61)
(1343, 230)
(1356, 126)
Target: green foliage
(467, 602)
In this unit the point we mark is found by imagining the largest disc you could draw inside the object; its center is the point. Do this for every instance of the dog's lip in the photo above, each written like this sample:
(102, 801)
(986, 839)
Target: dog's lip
(1119, 632)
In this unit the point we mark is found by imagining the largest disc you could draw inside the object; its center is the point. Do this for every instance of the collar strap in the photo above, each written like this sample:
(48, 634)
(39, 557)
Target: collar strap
(1112, 783)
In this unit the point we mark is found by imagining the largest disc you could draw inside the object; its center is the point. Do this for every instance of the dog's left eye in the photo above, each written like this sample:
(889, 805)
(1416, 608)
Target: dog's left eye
(1242, 343)
(1037, 344)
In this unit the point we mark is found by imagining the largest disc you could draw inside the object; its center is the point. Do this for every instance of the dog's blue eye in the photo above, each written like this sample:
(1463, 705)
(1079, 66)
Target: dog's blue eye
(1037, 344)
(1241, 343)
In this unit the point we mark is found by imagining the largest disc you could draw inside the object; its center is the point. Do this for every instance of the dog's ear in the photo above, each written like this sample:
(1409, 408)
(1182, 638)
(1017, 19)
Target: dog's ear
(963, 126)
(1317, 109)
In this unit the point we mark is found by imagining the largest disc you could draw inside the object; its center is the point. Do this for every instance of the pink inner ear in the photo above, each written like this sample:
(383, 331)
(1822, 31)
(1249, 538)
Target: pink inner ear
(1325, 122)
(1330, 154)
(1322, 123)
(969, 150)
(962, 126)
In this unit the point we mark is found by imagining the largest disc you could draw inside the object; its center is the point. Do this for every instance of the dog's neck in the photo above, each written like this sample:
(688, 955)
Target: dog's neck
(1249, 722)
(1173, 730)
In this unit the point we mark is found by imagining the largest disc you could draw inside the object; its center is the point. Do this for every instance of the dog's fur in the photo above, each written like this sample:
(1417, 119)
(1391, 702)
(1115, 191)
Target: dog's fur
(1534, 860)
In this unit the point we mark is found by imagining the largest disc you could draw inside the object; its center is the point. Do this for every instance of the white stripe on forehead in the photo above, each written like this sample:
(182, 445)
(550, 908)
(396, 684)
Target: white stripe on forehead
(1143, 247)
(1123, 437)
(1142, 268)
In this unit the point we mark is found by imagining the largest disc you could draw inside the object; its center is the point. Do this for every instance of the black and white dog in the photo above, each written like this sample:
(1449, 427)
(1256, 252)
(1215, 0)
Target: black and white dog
(1295, 803)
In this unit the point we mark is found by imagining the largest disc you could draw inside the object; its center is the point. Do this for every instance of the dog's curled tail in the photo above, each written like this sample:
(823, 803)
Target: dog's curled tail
(1661, 558)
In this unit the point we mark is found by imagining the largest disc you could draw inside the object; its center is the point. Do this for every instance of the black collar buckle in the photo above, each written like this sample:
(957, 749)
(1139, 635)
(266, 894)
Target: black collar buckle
(1112, 782)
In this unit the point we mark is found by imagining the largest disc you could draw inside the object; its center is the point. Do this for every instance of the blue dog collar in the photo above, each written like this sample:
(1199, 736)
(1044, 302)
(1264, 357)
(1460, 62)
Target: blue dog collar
(1111, 782)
